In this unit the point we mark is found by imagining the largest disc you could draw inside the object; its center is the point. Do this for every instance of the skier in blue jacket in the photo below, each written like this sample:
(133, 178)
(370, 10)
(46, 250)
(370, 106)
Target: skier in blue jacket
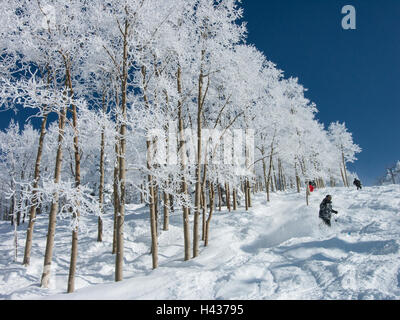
(325, 210)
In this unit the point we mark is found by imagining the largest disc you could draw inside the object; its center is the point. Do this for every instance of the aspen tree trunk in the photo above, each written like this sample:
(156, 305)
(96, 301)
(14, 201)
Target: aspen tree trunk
(74, 249)
(121, 212)
(266, 179)
(20, 201)
(345, 171)
(204, 198)
(249, 194)
(219, 197)
(156, 197)
(166, 213)
(298, 183)
(269, 177)
(303, 166)
(171, 201)
(271, 183)
(14, 210)
(152, 198)
(166, 195)
(182, 154)
(343, 178)
(274, 176)
(227, 195)
(212, 197)
(234, 199)
(201, 200)
(15, 224)
(203, 213)
(198, 164)
(116, 189)
(281, 176)
(32, 210)
(277, 181)
(13, 207)
(25, 211)
(45, 280)
(122, 162)
(297, 178)
(152, 189)
(246, 195)
(101, 185)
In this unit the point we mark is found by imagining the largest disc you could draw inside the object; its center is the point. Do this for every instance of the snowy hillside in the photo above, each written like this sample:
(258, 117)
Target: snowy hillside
(276, 250)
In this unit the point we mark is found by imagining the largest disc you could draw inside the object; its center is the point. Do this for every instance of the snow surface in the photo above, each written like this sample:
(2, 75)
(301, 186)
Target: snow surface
(276, 250)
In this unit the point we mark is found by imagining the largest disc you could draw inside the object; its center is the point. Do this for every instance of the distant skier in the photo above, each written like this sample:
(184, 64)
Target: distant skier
(314, 184)
(311, 186)
(357, 183)
(325, 210)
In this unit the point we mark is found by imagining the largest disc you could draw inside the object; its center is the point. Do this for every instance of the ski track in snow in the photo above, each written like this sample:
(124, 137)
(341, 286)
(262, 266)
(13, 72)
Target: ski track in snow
(276, 250)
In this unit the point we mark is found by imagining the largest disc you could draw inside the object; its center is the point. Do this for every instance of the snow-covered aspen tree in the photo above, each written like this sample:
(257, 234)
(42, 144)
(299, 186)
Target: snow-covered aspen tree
(343, 140)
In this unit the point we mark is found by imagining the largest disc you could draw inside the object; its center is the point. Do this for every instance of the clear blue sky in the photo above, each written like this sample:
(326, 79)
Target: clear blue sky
(352, 75)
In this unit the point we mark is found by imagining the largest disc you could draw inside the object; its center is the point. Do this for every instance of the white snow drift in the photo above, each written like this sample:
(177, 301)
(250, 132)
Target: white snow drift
(276, 250)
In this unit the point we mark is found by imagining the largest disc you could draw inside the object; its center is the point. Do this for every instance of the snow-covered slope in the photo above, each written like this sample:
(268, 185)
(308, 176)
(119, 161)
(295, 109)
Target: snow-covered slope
(276, 250)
